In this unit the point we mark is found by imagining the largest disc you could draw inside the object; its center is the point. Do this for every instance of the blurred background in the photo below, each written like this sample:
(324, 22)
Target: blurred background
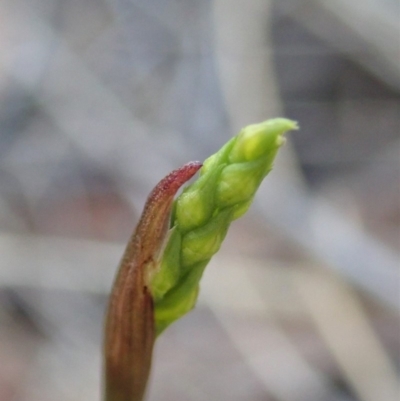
(99, 99)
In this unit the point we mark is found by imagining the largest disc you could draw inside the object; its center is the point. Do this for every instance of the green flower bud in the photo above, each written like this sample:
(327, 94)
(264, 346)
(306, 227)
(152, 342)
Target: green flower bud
(203, 212)
(241, 208)
(195, 205)
(181, 299)
(205, 241)
(254, 140)
(219, 158)
(239, 182)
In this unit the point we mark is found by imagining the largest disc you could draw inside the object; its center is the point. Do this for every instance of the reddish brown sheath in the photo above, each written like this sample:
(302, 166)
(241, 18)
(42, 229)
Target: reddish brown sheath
(129, 332)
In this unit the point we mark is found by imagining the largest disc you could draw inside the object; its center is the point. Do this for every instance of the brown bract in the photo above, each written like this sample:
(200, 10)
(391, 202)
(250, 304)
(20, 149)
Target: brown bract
(129, 332)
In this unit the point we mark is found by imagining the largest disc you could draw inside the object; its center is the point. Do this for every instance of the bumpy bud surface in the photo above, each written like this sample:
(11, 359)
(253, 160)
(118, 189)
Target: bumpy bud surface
(203, 212)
